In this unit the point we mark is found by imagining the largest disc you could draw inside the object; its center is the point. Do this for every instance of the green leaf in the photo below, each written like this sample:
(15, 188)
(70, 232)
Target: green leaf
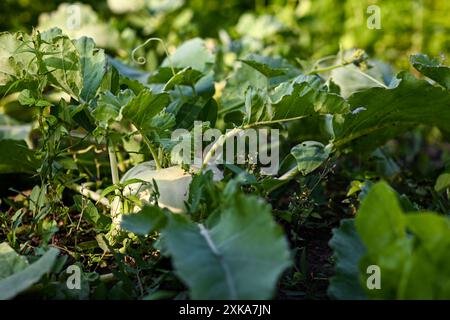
(192, 53)
(241, 257)
(16, 157)
(62, 62)
(93, 66)
(310, 155)
(109, 189)
(379, 114)
(410, 249)
(292, 101)
(10, 261)
(143, 108)
(380, 220)
(269, 67)
(186, 76)
(88, 209)
(442, 182)
(432, 68)
(109, 105)
(23, 279)
(15, 58)
(348, 249)
(146, 221)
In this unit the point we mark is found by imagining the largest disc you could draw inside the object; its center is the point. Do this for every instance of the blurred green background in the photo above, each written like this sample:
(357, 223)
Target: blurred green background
(303, 29)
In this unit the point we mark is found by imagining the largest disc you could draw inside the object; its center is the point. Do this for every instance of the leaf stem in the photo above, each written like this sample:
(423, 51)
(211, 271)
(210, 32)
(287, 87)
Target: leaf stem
(264, 123)
(220, 142)
(371, 78)
(329, 68)
(89, 193)
(153, 152)
(113, 163)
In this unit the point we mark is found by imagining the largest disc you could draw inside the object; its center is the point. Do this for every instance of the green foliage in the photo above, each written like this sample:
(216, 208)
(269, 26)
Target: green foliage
(17, 275)
(409, 249)
(87, 115)
(240, 257)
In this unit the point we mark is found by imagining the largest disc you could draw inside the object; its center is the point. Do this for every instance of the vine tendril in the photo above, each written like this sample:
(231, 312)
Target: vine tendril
(142, 60)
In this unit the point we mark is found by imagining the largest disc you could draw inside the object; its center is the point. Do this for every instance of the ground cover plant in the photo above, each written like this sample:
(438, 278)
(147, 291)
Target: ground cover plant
(151, 157)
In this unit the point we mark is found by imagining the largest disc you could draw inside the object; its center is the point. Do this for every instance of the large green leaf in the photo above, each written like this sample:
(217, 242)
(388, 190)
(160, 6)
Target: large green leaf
(26, 277)
(410, 250)
(380, 219)
(15, 57)
(192, 53)
(430, 260)
(61, 62)
(147, 112)
(10, 261)
(442, 182)
(241, 257)
(143, 108)
(379, 114)
(292, 101)
(93, 66)
(16, 157)
(348, 250)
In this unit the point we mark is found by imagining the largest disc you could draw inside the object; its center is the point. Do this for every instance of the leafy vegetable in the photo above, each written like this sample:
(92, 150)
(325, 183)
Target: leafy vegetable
(21, 275)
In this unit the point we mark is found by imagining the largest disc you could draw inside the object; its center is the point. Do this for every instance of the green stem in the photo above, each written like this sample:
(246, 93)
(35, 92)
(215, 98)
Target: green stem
(372, 79)
(289, 174)
(326, 69)
(113, 163)
(89, 193)
(153, 152)
(116, 204)
(220, 142)
(268, 122)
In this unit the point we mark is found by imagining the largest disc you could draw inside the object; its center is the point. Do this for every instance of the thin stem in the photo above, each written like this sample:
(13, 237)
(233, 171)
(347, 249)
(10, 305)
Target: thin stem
(264, 123)
(116, 204)
(153, 152)
(326, 69)
(223, 138)
(113, 163)
(142, 60)
(372, 78)
(89, 193)
(220, 142)
(289, 174)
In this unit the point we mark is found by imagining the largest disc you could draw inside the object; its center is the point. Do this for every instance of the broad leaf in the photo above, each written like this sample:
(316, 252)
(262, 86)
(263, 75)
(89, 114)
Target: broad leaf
(93, 66)
(10, 261)
(442, 182)
(192, 53)
(380, 219)
(26, 277)
(295, 101)
(149, 219)
(241, 257)
(16, 157)
(62, 62)
(379, 114)
(348, 249)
